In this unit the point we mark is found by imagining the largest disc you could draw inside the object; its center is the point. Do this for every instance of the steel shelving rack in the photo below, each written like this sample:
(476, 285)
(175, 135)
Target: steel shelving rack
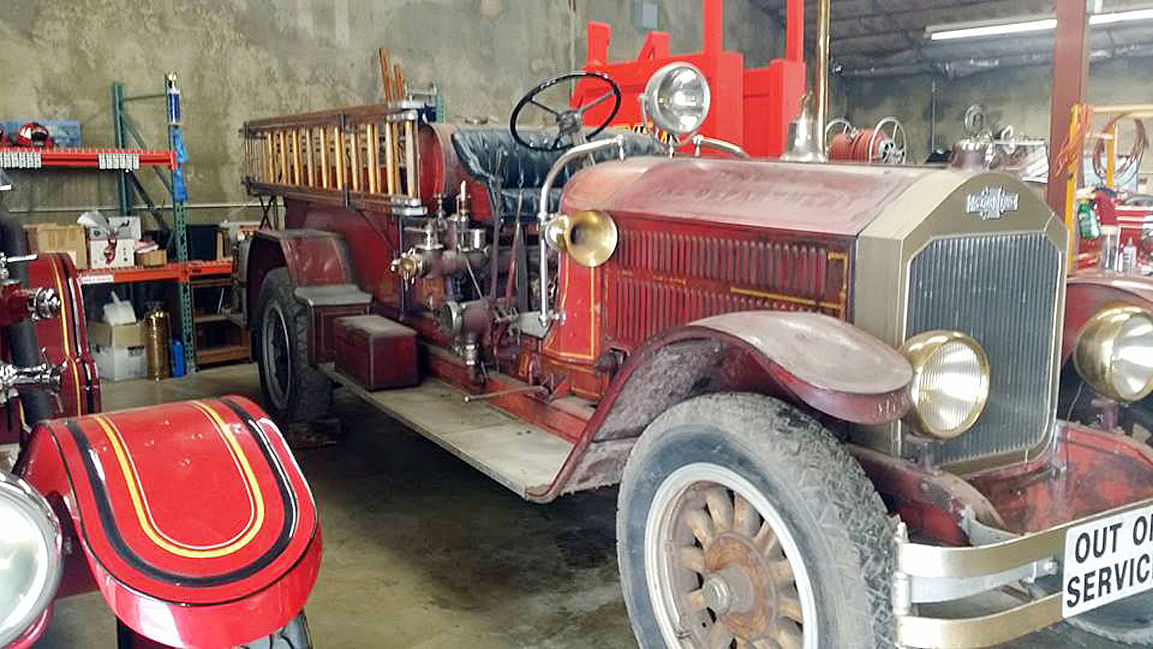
(129, 186)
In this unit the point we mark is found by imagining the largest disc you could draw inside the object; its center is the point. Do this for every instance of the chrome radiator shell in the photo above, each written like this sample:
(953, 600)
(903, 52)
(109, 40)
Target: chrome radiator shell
(927, 262)
(1000, 289)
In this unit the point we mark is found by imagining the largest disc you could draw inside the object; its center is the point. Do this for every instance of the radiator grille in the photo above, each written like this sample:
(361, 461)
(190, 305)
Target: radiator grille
(1002, 290)
(660, 279)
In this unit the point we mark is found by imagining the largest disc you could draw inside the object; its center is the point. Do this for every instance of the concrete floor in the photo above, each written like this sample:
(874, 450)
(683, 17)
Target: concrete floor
(423, 551)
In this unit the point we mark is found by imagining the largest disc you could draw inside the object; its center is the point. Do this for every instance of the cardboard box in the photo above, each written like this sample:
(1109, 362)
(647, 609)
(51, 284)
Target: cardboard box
(120, 363)
(152, 258)
(123, 227)
(106, 335)
(106, 254)
(50, 237)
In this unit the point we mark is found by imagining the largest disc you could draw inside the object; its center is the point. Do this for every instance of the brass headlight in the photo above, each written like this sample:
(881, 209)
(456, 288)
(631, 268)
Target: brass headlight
(1114, 353)
(950, 382)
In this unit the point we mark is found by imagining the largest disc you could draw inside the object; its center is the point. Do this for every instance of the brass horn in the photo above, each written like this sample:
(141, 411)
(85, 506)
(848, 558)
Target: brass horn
(589, 236)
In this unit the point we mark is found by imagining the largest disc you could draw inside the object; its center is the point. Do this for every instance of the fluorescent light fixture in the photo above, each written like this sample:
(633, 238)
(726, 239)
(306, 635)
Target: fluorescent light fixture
(1121, 17)
(986, 29)
(1040, 25)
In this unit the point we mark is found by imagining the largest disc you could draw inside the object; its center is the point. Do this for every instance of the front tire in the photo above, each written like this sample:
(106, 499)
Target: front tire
(294, 635)
(294, 391)
(1129, 621)
(742, 519)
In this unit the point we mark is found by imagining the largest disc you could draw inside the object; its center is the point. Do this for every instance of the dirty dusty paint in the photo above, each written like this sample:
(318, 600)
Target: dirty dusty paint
(241, 59)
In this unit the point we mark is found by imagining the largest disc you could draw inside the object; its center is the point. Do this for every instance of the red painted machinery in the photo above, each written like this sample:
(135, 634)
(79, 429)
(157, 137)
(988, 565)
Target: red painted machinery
(753, 105)
(191, 519)
(771, 359)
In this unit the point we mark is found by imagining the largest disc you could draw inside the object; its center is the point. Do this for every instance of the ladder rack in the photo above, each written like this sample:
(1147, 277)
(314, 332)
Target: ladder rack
(364, 157)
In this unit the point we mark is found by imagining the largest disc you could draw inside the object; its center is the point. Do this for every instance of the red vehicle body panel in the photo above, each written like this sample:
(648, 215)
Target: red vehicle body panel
(1091, 290)
(192, 518)
(751, 107)
(832, 200)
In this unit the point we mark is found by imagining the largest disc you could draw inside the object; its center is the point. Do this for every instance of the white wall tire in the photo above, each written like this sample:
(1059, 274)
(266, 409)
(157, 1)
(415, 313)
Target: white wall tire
(766, 457)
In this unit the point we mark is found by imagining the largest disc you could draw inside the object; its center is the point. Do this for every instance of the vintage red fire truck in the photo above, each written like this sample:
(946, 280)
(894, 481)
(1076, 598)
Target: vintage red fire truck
(828, 392)
(192, 519)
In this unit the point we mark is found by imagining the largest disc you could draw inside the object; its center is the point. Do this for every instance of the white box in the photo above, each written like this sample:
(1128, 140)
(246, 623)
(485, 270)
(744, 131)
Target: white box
(120, 363)
(123, 227)
(122, 253)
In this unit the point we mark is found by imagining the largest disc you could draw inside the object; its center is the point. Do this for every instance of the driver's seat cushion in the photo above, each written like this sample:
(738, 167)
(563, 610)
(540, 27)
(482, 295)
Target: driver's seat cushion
(524, 169)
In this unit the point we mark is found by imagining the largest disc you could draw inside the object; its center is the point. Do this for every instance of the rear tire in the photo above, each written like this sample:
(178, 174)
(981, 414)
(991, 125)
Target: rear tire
(725, 467)
(294, 391)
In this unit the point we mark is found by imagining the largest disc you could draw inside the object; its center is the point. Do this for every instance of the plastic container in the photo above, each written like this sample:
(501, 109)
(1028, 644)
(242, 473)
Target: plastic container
(177, 358)
(1109, 258)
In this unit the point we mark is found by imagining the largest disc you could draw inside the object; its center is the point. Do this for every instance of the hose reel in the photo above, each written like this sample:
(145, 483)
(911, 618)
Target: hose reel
(885, 143)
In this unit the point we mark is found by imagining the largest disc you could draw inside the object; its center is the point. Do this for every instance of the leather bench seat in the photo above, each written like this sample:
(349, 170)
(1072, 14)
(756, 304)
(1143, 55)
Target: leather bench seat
(524, 169)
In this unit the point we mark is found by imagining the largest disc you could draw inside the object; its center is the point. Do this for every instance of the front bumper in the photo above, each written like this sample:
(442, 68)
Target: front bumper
(1089, 476)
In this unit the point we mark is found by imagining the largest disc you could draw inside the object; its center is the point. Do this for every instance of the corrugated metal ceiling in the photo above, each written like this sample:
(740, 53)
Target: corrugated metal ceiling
(887, 37)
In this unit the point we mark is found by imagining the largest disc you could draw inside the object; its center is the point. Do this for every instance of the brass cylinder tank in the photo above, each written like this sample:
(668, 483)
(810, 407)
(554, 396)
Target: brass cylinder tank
(156, 337)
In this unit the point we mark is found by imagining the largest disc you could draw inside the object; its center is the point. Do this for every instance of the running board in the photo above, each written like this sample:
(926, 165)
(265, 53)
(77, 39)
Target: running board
(520, 456)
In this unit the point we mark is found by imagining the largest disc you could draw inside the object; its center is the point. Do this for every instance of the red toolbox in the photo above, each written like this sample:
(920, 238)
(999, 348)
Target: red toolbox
(375, 351)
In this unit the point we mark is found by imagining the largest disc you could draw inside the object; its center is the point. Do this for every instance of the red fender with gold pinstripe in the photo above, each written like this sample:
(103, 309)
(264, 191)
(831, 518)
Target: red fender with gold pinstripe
(192, 518)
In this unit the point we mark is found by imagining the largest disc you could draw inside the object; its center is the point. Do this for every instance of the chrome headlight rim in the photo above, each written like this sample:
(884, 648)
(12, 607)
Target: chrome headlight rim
(661, 116)
(16, 493)
(1094, 352)
(919, 350)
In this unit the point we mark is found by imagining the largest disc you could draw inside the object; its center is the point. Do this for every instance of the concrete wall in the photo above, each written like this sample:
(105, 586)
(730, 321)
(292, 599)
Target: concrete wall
(1017, 96)
(240, 59)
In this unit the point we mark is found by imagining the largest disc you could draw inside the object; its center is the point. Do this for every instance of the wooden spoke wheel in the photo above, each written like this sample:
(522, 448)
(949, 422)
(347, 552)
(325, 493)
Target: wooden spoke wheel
(727, 570)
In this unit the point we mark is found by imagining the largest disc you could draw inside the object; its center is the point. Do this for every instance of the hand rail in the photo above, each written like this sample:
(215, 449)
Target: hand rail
(544, 217)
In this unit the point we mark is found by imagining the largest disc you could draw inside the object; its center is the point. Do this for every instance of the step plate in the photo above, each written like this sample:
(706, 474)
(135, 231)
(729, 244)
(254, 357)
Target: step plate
(520, 456)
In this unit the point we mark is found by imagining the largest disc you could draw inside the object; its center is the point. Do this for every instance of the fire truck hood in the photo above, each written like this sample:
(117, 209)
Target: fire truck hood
(818, 198)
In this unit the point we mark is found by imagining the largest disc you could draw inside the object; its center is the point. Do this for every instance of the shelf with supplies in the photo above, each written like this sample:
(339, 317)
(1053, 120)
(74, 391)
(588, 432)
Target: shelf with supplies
(173, 272)
(85, 158)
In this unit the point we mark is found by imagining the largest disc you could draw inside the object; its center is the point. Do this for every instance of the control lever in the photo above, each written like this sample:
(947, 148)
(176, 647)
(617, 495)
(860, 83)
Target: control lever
(5, 260)
(497, 225)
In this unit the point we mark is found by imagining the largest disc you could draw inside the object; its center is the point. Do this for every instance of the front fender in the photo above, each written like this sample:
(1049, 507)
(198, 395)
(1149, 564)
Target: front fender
(193, 518)
(806, 358)
(827, 363)
(1090, 291)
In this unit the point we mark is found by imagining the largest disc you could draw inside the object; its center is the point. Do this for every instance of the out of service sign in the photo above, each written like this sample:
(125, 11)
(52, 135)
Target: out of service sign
(1107, 560)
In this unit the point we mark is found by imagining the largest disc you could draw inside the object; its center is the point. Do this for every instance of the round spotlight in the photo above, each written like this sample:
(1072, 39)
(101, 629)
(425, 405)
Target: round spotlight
(677, 98)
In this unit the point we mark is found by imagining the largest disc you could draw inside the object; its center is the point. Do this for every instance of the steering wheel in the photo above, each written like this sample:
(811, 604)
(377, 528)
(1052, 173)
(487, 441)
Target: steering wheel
(569, 121)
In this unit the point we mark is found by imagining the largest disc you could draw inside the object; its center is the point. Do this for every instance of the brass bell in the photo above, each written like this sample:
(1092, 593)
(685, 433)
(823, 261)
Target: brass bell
(803, 145)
